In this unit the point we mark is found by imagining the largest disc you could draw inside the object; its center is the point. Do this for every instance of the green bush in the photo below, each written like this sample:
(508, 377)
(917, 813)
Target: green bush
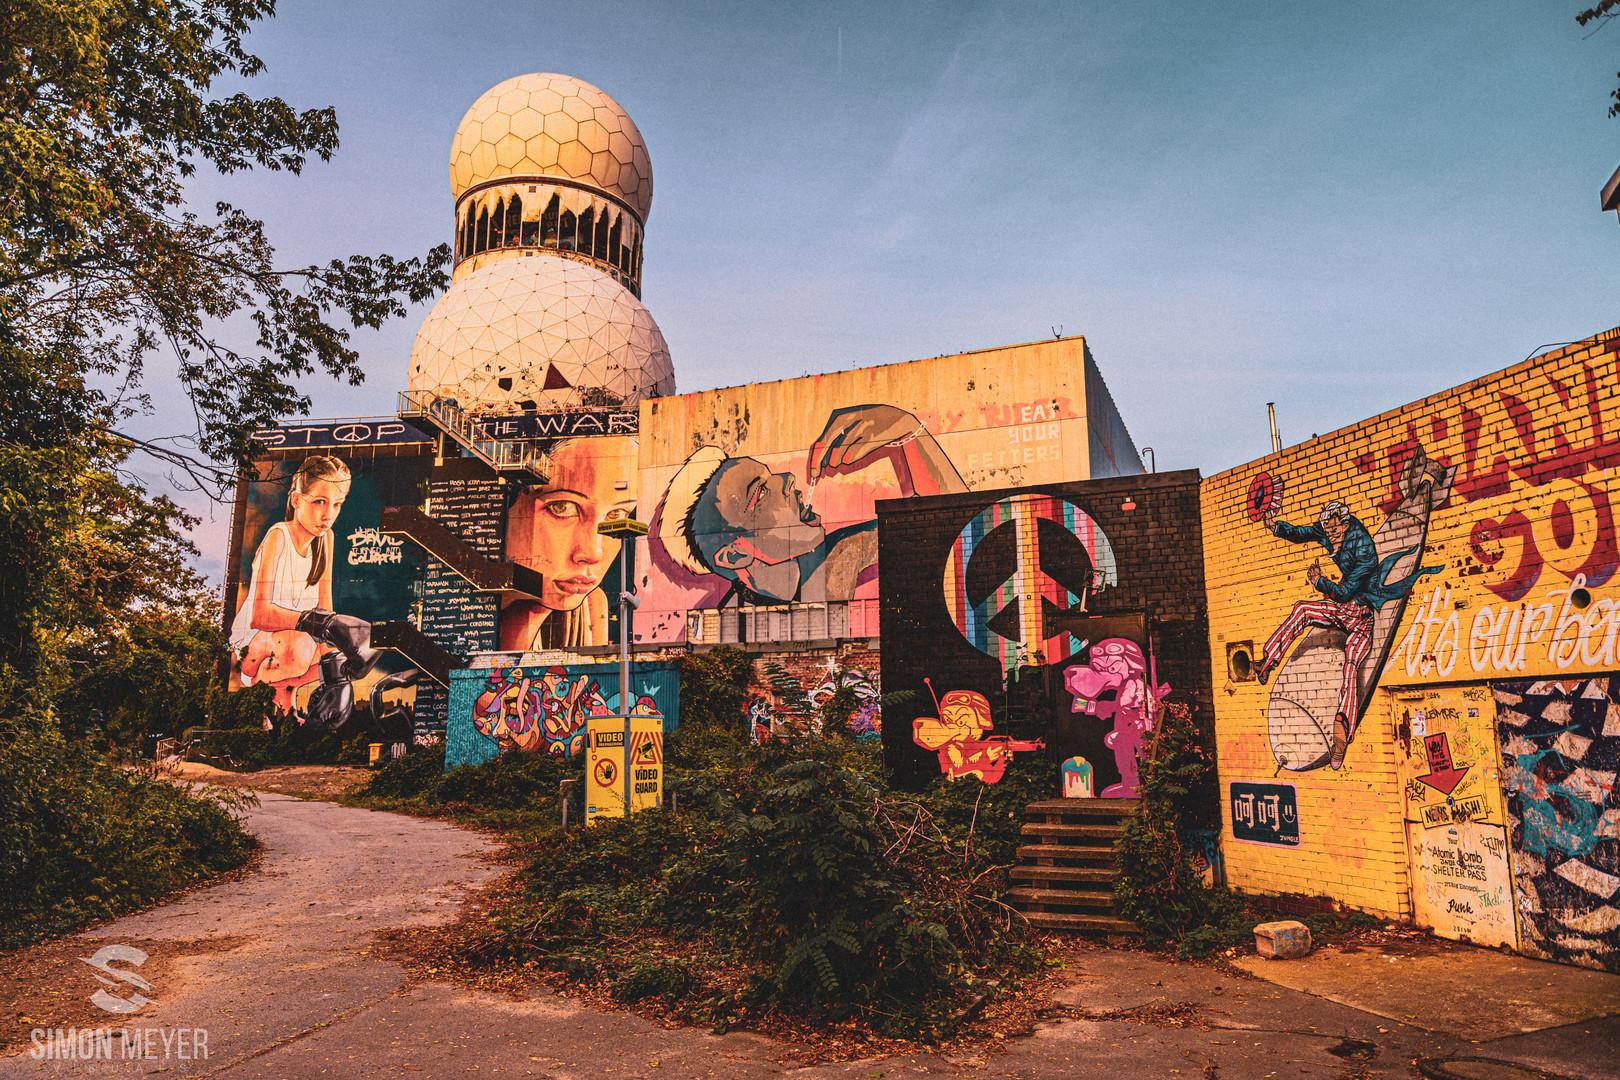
(842, 898)
(1157, 886)
(248, 747)
(83, 840)
(514, 781)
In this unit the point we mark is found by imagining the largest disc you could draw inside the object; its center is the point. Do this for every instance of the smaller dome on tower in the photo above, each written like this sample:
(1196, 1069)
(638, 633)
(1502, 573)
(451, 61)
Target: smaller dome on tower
(543, 331)
(552, 125)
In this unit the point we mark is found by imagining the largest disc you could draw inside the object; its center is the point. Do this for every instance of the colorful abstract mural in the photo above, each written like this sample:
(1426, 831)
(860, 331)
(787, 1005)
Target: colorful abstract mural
(1560, 755)
(546, 708)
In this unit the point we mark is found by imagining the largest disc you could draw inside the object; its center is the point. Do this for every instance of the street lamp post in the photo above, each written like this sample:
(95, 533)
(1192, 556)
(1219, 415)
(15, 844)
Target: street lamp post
(625, 530)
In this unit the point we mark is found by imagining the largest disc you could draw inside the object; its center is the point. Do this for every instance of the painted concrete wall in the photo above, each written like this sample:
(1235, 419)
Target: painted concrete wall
(1482, 548)
(763, 495)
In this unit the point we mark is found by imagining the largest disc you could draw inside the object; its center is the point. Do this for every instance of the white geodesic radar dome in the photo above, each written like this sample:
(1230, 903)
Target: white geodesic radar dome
(539, 330)
(552, 125)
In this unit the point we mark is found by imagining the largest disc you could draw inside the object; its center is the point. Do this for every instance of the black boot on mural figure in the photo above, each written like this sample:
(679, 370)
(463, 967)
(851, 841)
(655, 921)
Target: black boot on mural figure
(349, 635)
(332, 702)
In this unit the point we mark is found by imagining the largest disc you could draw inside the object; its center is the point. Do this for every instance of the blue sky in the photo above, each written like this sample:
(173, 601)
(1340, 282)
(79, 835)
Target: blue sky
(1339, 208)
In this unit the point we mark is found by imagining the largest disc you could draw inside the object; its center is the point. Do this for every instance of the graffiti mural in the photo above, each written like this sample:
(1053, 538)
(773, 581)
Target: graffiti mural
(535, 711)
(735, 519)
(547, 708)
(1322, 689)
(551, 528)
(1115, 685)
(1075, 775)
(313, 576)
(1560, 754)
(960, 734)
(1451, 783)
(1071, 610)
(788, 707)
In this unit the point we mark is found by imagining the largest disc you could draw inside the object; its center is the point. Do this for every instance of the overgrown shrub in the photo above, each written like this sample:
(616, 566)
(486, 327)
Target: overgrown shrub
(515, 781)
(838, 896)
(714, 706)
(83, 840)
(1157, 886)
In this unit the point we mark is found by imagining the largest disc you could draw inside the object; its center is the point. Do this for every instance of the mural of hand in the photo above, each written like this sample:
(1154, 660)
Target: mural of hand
(853, 434)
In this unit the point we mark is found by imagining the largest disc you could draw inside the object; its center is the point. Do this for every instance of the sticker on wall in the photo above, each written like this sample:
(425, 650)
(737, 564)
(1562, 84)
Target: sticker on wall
(1344, 633)
(1076, 775)
(961, 736)
(1265, 814)
(1017, 569)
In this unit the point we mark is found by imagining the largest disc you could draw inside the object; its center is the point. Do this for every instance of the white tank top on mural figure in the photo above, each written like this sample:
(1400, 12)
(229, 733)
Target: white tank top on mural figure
(288, 582)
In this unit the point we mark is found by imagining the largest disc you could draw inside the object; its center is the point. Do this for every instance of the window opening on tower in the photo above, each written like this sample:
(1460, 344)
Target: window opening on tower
(514, 220)
(587, 226)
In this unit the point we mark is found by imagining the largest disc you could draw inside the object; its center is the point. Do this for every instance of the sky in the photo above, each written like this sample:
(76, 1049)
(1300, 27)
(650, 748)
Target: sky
(1339, 208)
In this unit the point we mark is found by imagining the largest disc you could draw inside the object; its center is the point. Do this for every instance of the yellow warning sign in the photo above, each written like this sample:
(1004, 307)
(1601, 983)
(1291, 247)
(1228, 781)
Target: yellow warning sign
(604, 795)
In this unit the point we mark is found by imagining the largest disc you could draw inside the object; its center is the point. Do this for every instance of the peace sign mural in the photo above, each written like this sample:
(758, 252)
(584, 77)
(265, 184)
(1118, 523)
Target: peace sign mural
(1015, 566)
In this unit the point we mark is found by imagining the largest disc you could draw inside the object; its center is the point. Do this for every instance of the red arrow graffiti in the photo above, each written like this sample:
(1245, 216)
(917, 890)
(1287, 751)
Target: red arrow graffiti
(1442, 777)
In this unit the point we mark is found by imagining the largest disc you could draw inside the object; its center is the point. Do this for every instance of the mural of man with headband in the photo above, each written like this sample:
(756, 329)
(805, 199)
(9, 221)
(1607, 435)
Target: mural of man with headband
(735, 518)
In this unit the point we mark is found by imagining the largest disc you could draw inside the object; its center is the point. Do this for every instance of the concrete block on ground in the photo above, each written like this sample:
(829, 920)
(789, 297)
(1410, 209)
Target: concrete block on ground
(1286, 940)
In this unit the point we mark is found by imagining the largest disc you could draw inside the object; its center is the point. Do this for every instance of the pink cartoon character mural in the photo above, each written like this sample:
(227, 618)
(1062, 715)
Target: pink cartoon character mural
(1116, 665)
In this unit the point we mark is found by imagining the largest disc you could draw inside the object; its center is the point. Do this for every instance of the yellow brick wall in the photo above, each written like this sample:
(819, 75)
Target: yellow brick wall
(1528, 588)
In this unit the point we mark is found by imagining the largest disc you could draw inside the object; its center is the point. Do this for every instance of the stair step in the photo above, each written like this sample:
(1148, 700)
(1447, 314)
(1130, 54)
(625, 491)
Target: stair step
(1060, 897)
(1061, 873)
(1113, 924)
(1115, 807)
(1098, 832)
(1103, 854)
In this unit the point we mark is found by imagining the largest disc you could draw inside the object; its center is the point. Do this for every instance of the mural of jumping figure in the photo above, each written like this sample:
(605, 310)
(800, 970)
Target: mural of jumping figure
(1322, 690)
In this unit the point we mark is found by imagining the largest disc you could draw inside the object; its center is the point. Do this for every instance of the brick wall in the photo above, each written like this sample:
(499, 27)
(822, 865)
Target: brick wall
(1152, 525)
(1525, 546)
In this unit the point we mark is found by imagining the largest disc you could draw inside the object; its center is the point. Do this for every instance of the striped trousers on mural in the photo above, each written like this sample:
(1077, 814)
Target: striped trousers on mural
(1354, 619)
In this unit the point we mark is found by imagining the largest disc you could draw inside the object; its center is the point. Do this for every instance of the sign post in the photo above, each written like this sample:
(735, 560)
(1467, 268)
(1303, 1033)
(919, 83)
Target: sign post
(625, 530)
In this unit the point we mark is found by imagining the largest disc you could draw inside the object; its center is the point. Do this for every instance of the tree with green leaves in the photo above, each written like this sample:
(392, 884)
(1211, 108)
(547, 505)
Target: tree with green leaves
(1602, 13)
(107, 111)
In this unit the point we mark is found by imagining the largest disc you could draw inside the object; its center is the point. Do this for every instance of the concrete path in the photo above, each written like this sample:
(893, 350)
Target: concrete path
(329, 875)
(296, 995)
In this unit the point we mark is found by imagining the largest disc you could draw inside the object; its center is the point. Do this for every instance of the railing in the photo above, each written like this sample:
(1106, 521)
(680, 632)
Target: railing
(503, 455)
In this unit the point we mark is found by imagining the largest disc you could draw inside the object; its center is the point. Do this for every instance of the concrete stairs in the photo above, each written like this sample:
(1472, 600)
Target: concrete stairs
(1065, 876)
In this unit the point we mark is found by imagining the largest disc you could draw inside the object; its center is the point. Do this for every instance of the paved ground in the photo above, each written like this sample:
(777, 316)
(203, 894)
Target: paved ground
(294, 993)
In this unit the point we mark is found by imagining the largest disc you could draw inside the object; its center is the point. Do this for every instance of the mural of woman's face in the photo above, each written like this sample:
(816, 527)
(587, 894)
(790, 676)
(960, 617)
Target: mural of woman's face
(316, 509)
(592, 481)
(767, 509)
